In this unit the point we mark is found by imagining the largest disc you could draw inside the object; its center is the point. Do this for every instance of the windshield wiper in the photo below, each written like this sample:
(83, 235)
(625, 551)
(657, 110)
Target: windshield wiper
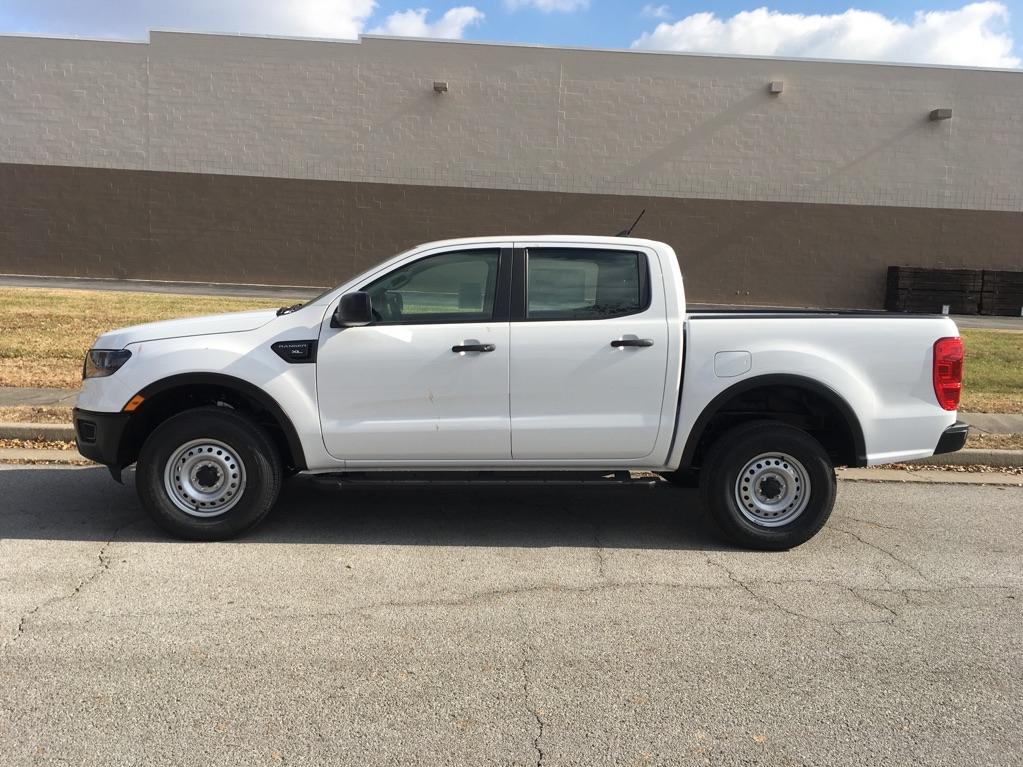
(289, 309)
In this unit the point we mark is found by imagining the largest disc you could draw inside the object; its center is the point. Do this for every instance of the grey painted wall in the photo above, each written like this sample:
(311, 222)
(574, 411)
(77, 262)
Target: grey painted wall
(517, 117)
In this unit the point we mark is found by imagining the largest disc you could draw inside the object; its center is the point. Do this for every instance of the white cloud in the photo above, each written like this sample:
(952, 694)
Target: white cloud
(318, 18)
(116, 18)
(548, 6)
(413, 23)
(345, 19)
(974, 35)
(655, 11)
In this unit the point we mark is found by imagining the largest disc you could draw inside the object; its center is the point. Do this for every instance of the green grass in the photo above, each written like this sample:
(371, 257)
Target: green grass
(45, 333)
(993, 372)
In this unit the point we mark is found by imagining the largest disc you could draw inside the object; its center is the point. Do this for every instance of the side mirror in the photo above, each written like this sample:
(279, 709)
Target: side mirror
(354, 310)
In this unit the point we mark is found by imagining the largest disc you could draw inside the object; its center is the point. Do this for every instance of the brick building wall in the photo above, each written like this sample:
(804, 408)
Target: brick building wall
(244, 159)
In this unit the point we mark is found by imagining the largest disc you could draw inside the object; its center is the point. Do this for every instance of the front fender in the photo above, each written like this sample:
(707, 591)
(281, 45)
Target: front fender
(240, 361)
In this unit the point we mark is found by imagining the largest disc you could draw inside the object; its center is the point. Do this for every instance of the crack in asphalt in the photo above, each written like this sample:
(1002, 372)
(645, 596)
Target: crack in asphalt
(904, 594)
(908, 565)
(103, 566)
(880, 605)
(766, 599)
(747, 586)
(862, 594)
(859, 592)
(483, 596)
(532, 709)
(949, 589)
(872, 523)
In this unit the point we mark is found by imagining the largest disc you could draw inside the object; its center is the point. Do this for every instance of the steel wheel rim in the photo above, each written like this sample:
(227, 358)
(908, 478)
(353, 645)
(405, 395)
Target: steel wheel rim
(204, 478)
(772, 489)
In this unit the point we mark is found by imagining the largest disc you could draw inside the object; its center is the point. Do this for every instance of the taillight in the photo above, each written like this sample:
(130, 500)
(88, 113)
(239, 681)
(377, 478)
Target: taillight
(948, 371)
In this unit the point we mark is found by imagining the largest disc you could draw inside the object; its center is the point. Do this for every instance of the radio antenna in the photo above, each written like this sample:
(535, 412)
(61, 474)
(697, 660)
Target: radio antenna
(628, 232)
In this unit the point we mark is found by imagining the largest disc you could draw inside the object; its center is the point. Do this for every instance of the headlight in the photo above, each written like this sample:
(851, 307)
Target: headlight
(104, 362)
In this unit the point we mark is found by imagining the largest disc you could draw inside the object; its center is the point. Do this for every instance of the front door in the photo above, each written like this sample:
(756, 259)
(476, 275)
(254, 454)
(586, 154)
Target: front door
(589, 354)
(428, 380)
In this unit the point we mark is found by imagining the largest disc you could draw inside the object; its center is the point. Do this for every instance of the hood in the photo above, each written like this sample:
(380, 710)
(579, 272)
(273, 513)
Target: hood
(234, 322)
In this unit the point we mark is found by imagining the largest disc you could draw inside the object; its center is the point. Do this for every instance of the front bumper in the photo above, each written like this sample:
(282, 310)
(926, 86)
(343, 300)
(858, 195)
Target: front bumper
(953, 438)
(99, 437)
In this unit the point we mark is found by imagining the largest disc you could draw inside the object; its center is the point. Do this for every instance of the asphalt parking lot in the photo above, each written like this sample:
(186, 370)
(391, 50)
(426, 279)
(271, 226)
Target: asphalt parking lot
(508, 626)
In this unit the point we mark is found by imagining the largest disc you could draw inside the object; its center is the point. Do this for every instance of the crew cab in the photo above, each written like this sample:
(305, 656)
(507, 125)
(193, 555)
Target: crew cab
(521, 356)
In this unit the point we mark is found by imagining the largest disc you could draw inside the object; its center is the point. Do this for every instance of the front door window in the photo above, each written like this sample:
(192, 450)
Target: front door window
(451, 287)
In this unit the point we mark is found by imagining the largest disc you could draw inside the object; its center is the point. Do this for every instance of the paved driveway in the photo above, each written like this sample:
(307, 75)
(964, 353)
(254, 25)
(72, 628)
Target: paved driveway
(559, 626)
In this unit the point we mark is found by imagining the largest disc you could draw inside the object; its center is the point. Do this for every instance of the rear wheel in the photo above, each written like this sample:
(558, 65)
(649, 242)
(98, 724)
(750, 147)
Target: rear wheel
(768, 485)
(208, 474)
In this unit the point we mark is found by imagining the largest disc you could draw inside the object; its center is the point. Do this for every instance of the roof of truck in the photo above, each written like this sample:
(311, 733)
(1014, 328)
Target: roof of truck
(591, 239)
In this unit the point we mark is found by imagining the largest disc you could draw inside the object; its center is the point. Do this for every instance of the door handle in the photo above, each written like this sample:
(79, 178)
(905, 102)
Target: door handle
(473, 348)
(619, 343)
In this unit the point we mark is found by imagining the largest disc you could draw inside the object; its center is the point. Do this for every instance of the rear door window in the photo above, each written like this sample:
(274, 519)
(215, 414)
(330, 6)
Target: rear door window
(584, 284)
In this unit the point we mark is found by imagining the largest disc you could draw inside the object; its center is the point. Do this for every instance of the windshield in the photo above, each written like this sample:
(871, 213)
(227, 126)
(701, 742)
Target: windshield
(303, 304)
(319, 296)
(328, 291)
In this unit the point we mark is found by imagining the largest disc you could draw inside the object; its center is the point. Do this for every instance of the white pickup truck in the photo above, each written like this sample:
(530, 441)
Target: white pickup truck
(510, 357)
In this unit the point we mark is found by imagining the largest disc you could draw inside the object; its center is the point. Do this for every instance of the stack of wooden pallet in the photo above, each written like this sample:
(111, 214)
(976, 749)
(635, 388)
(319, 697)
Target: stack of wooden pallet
(1002, 293)
(913, 289)
(963, 291)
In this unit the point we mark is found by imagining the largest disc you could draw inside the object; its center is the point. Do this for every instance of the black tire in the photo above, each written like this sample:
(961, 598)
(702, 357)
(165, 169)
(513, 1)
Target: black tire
(260, 467)
(689, 478)
(734, 451)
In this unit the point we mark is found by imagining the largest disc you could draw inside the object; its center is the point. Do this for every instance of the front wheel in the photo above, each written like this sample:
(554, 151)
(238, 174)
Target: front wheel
(768, 485)
(208, 474)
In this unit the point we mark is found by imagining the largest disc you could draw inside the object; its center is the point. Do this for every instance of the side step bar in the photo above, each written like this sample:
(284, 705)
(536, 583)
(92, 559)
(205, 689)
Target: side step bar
(461, 478)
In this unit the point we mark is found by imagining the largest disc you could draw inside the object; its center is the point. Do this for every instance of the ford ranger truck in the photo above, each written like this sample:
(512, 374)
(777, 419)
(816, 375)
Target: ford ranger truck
(520, 356)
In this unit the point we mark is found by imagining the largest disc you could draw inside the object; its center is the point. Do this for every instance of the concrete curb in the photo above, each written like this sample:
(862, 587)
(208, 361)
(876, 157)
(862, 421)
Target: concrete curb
(974, 457)
(46, 431)
(26, 455)
(36, 396)
(994, 423)
(930, 476)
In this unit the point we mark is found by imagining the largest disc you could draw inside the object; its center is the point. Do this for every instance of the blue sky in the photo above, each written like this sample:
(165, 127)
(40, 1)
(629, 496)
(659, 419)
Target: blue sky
(987, 33)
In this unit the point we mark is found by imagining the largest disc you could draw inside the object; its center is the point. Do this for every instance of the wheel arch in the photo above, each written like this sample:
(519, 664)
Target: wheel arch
(854, 453)
(176, 393)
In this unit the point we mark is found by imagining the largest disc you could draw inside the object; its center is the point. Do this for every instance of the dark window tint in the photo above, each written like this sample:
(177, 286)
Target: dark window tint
(580, 284)
(452, 287)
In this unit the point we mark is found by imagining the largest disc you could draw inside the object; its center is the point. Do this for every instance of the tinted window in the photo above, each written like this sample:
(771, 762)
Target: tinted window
(579, 284)
(452, 287)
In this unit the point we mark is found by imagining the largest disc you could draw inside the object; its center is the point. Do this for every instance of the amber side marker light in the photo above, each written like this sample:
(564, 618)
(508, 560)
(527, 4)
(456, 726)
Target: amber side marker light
(948, 371)
(133, 404)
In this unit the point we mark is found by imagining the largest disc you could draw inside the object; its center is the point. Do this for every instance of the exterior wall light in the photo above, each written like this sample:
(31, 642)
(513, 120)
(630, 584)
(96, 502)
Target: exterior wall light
(941, 114)
(440, 86)
(775, 87)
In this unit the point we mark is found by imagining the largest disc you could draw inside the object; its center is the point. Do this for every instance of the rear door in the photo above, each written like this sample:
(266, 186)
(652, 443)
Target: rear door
(589, 350)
